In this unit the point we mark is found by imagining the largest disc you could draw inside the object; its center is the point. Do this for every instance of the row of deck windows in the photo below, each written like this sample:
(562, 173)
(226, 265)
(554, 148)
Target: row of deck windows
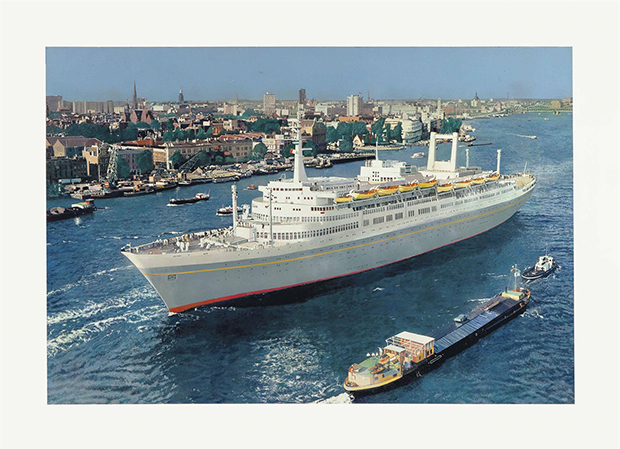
(297, 219)
(374, 210)
(308, 234)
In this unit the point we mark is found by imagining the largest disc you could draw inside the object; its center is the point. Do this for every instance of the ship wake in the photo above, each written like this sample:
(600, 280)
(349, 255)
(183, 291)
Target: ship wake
(342, 398)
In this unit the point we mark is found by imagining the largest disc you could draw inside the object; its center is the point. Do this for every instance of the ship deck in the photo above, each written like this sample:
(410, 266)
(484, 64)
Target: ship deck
(223, 239)
(477, 319)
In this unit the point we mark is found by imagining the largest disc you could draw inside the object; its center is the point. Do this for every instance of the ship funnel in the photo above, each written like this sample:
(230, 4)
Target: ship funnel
(299, 174)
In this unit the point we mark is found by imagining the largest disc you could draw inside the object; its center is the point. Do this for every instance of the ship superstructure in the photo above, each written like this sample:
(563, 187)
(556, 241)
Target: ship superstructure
(304, 230)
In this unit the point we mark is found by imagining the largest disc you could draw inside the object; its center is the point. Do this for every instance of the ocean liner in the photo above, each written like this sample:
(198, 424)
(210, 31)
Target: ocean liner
(304, 230)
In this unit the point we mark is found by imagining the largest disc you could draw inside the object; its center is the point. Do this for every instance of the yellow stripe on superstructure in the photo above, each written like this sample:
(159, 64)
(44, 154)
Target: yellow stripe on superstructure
(342, 249)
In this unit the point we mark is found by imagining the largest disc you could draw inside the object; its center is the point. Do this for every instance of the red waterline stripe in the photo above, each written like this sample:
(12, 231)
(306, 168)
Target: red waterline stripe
(258, 292)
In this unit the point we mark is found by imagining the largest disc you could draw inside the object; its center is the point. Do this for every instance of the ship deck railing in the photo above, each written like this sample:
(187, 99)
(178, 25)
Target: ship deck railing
(222, 239)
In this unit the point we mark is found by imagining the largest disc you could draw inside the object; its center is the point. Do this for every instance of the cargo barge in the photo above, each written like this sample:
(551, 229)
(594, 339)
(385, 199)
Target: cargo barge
(408, 355)
(76, 210)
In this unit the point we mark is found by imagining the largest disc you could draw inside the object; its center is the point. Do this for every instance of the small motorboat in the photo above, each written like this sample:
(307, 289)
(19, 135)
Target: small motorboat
(251, 187)
(417, 155)
(544, 267)
(228, 210)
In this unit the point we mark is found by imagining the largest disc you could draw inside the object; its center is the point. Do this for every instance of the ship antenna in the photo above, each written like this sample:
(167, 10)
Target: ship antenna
(299, 174)
(377, 147)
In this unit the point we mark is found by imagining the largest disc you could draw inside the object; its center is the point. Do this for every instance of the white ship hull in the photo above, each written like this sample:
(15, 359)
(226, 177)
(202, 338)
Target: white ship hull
(189, 279)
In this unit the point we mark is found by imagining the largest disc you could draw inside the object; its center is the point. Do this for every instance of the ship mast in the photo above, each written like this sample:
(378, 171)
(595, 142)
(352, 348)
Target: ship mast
(299, 174)
(234, 206)
(270, 217)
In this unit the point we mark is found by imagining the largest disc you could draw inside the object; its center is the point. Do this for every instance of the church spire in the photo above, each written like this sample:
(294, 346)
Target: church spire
(135, 96)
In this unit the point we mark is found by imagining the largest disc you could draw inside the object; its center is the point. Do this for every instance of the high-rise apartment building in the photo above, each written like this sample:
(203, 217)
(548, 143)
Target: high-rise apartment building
(181, 98)
(54, 102)
(302, 96)
(269, 103)
(354, 105)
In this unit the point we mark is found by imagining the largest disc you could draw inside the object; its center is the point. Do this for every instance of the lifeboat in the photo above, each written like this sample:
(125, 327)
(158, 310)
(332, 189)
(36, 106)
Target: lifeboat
(426, 185)
(407, 187)
(477, 181)
(462, 184)
(387, 190)
(364, 195)
(344, 199)
(492, 178)
(444, 187)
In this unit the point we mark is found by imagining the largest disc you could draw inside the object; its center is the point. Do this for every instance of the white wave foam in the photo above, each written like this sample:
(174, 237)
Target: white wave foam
(86, 280)
(342, 398)
(533, 313)
(378, 289)
(118, 306)
(478, 300)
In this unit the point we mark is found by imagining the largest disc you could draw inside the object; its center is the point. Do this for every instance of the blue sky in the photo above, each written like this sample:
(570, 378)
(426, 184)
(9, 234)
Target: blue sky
(218, 73)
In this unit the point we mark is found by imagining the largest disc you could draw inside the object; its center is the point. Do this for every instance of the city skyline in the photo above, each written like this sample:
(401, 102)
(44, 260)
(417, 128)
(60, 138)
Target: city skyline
(326, 73)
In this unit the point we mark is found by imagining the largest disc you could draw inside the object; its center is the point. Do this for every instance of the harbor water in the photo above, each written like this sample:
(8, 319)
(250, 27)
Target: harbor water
(110, 339)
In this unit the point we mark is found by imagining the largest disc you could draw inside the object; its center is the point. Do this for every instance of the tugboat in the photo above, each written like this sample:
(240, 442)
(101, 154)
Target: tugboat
(544, 267)
(195, 199)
